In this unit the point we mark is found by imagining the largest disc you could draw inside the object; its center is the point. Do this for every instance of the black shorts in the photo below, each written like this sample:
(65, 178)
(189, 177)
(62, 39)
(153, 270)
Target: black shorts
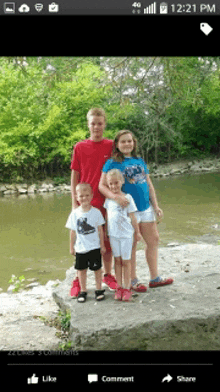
(91, 260)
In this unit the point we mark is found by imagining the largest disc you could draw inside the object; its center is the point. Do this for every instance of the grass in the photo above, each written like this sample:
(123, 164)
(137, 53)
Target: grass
(62, 324)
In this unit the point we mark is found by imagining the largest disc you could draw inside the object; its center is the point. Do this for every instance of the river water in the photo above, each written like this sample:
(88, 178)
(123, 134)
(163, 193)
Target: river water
(35, 243)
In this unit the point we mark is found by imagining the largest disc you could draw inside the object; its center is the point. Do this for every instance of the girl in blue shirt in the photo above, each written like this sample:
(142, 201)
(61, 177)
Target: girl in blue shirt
(139, 186)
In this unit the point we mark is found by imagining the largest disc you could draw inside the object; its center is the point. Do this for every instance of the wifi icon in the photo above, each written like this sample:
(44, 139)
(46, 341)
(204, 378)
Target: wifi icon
(38, 7)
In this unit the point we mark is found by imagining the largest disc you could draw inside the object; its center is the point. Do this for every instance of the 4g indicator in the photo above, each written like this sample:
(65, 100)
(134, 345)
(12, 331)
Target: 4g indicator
(193, 8)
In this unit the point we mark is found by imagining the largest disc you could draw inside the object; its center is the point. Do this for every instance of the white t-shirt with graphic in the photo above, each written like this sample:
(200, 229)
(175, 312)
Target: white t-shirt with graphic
(85, 224)
(119, 222)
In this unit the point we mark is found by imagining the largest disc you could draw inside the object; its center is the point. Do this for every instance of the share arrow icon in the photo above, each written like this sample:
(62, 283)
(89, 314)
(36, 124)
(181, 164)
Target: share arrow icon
(168, 378)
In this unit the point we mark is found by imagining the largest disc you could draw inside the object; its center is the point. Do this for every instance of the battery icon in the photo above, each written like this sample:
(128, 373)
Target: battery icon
(163, 8)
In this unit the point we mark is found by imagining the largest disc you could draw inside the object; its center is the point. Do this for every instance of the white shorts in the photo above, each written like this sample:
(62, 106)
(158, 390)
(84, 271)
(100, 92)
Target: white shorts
(146, 215)
(121, 247)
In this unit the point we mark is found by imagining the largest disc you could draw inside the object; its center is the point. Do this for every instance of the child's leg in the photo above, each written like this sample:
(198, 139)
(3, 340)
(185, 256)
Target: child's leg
(126, 270)
(98, 279)
(150, 235)
(82, 274)
(107, 257)
(133, 261)
(118, 270)
(126, 294)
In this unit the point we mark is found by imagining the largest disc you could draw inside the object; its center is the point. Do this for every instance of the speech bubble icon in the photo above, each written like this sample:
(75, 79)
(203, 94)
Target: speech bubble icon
(92, 378)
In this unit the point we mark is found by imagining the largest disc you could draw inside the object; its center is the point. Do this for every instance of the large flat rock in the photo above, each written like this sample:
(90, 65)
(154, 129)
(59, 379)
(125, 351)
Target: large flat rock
(21, 326)
(182, 316)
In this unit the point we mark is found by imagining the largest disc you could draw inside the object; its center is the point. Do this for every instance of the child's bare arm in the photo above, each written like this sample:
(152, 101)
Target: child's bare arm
(72, 242)
(105, 226)
(74, 181)
(101, 236)
(135, 226)
(153, 198)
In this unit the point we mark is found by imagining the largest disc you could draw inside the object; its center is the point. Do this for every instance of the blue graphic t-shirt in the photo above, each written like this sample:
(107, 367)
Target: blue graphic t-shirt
(134, 171)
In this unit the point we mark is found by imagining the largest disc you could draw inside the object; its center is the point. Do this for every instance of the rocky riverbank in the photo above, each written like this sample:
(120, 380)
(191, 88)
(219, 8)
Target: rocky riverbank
(23, 189)
(208, 165)
(182, 316)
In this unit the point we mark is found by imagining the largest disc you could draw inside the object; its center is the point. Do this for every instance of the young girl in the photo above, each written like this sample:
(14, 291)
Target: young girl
(139, 186)
(120, 221)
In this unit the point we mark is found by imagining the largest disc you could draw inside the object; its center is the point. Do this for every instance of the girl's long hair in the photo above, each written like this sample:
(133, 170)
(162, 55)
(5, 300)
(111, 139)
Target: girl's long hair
(116, 154)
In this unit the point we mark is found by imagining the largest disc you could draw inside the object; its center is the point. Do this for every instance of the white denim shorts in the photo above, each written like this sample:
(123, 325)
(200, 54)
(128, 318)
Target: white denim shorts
(121, 247)
(146, 215)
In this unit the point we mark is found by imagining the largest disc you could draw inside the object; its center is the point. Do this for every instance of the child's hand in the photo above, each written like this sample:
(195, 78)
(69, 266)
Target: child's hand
(103, 250)
(121, 200)
(72, 252)
(137, 236)
(159, 213)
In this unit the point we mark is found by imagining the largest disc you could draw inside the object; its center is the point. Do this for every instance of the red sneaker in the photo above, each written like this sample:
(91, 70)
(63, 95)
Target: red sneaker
(75, 288)
(139, 288)
(110, 281)
(118, 293)
(160, 282)
(127, 295)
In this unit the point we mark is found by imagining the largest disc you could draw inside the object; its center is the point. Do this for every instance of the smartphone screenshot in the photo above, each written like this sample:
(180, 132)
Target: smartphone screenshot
(109, 193)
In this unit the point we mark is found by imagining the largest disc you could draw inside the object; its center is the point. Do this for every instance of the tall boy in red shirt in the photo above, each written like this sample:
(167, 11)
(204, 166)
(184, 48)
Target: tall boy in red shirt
(89, 157)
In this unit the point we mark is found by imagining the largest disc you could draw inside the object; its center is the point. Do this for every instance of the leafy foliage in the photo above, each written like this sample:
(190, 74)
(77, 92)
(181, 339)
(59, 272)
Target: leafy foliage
(171, 104)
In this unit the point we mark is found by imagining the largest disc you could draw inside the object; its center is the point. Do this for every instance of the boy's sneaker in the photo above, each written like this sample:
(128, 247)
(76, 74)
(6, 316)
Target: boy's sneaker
(118, 293)
(127, 295)
(75, 288)
(110, 281)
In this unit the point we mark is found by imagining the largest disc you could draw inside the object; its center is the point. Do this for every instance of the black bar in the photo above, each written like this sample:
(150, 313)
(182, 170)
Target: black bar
(107, 36)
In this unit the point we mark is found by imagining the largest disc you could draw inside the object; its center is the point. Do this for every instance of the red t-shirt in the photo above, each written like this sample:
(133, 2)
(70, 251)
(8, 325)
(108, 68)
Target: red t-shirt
(88, 159)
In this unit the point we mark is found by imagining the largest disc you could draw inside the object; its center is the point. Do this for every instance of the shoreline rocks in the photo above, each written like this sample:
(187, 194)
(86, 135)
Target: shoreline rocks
(161, 171)
(24, 189)
(183, 167)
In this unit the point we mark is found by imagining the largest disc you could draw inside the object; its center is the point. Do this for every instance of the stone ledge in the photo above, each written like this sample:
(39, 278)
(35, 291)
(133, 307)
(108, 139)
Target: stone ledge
(185, 315)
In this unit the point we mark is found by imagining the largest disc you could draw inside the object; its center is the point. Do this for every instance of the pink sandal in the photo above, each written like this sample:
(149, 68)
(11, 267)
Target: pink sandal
(127, 295)
(118, 293)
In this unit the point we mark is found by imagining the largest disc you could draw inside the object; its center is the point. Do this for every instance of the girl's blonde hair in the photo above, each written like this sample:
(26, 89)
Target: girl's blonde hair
(116, 154)
(116, 173)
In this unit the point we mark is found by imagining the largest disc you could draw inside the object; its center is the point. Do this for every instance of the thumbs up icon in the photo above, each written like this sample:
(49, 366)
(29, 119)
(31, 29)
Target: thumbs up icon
(33, 379)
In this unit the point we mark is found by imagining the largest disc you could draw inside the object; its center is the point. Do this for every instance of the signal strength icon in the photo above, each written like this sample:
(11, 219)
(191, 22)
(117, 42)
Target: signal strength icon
(151, 9)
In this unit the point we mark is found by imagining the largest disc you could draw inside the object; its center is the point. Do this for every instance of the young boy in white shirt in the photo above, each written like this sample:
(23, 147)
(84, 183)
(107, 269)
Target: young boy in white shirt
(122, 224)
(87, 240)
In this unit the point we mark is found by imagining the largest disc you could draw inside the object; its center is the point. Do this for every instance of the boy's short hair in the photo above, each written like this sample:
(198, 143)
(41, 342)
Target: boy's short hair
(96, 112)
(83, 185)
(117, 173)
